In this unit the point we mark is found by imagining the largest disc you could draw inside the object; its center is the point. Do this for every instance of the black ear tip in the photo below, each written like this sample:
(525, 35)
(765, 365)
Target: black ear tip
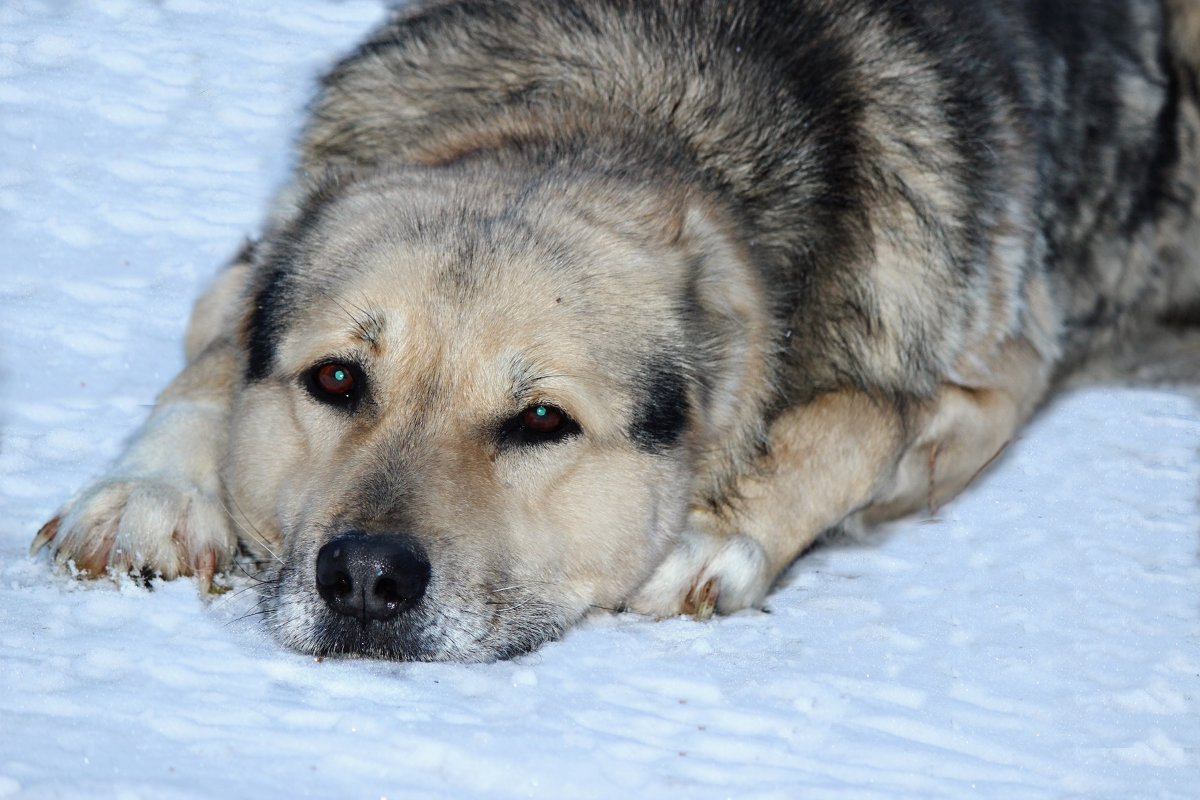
(662, 412)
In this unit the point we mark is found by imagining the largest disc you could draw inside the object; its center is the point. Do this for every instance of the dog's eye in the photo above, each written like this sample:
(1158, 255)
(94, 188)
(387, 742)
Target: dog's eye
(336, 383)
(335, 379)
(540, 424)
(542, 419)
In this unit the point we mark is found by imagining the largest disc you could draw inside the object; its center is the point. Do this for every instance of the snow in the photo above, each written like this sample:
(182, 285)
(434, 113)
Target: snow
(1039, 637)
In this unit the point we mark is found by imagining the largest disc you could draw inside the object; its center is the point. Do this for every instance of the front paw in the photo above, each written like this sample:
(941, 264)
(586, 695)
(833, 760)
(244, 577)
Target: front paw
(141, 525)
(706, 573)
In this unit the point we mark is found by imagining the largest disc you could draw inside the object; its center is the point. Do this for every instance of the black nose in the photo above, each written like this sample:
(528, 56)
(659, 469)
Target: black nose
(371, 575)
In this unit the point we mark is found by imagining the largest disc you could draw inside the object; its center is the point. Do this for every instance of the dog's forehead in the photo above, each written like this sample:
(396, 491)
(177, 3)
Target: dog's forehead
(486, 273)
(516, 326)
(505, 324)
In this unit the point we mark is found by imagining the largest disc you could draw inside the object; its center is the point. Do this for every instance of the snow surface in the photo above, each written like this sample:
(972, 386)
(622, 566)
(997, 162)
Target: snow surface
(1039, 638)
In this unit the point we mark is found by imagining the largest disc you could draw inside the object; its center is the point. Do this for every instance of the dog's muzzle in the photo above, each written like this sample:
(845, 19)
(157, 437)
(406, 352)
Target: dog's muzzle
(371, 576)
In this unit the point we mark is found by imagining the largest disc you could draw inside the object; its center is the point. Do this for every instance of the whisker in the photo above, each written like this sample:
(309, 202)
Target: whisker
(254, 531)
(365, 328)
(606, 608)
(253, 576)
(249, 614)
(229, 598)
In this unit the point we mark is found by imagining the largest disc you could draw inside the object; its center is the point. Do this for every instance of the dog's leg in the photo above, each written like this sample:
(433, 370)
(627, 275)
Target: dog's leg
(825, 459)
(962, 433)
(159, 509)
(841, 454)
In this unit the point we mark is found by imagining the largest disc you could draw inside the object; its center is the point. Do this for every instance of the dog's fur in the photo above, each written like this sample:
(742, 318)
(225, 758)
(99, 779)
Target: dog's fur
(785, 265)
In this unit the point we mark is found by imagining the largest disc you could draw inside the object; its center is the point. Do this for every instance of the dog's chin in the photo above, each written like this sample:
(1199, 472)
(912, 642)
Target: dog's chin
(429, 631)
(335, 636)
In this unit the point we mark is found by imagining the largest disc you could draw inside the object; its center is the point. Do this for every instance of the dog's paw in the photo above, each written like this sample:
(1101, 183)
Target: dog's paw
(139, 525)
(706, 573)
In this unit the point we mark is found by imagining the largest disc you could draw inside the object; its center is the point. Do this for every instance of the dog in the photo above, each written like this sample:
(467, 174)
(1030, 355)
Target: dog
(622, 304)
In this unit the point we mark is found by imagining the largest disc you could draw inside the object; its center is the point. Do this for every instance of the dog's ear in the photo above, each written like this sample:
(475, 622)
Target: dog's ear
(273, 263)
(216, 315)
(736, 337)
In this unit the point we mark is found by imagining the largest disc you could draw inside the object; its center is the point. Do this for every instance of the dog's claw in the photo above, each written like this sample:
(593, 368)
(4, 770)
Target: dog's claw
(45, 536)
(206, 569)
(701, 601)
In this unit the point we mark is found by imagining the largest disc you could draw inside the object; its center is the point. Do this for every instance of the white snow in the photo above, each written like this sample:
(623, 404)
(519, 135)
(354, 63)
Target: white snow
(1039, 638)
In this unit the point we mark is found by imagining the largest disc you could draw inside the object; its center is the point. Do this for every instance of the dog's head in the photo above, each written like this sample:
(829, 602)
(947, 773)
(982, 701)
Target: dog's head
(476, 406)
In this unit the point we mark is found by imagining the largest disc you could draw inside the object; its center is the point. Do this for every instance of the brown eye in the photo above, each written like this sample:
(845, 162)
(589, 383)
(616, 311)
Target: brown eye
(539, 424)
(541, 419)
(336, 383)
(335, 379)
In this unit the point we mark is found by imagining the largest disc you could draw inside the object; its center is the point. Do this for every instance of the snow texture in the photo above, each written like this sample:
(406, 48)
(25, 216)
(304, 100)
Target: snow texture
(1038, 637)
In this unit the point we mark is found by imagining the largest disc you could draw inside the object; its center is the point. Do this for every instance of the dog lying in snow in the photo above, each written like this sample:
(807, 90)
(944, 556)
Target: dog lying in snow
(622, 303)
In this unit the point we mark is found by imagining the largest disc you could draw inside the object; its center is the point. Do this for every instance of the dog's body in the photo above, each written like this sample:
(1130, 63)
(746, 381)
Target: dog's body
(623, 303)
